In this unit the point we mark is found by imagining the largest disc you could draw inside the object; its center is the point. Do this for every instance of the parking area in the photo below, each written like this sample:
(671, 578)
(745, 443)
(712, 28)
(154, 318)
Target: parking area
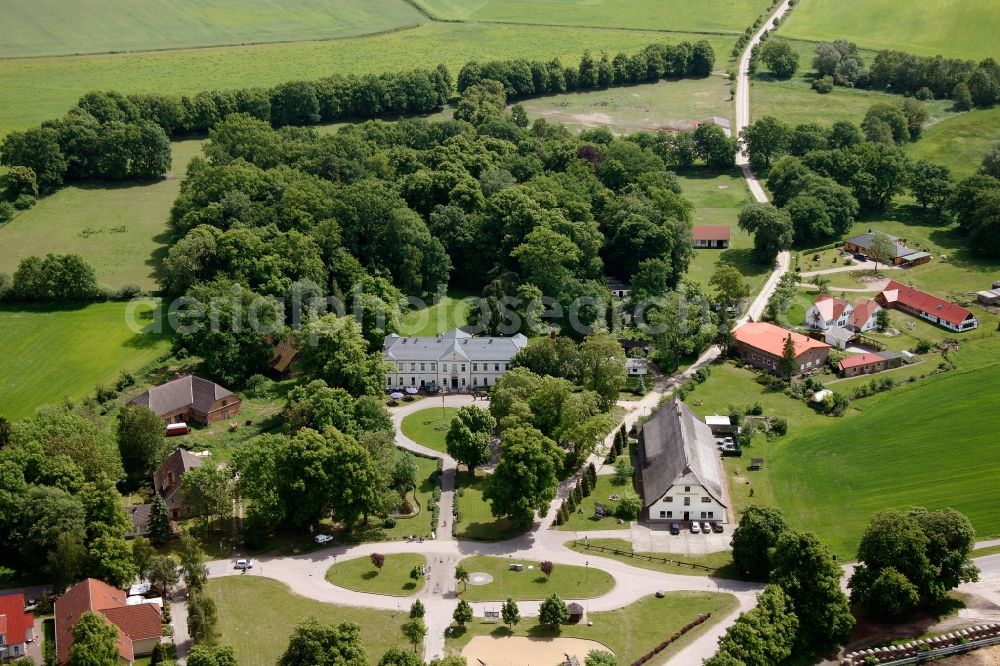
(658, 539)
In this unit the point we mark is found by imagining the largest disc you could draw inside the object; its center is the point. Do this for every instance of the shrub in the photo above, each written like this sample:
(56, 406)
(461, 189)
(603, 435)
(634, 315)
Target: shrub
(7, 211)
(823, 85)
(922, 346)
(779, 425)
(924, 94)
(755, 410)
(21, 180)
(127, 292)
(258, 386)
(389, 523)
(24, 201)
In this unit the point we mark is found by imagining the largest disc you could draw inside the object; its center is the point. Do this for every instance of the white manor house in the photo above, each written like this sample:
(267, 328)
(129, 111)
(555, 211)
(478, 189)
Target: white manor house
(455, 360)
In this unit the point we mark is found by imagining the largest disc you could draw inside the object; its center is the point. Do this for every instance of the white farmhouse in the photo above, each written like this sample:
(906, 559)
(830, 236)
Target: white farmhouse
(828, 311)
(680, 468)
(455, 360)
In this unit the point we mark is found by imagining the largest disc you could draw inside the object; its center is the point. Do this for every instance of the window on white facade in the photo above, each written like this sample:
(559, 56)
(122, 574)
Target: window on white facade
(444, 367)
(670, 514)
(496, 367)
(475, 366)
(668, 499)
(706, 500)
(687, 489)
(687, 501)
(704, 514)
(412, 381)
(463, 367)
(463, 381)
(413, 366)
(433, 366)
(423, 367)
(711, 514)
(663, 514)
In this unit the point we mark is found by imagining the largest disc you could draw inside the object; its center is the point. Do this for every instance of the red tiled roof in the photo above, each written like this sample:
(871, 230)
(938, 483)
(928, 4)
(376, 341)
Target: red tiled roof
(896, 292)
(14, 622)
(860, 359)
(771, 339)
(829, 307)
(88, 595)
(710, 232)
(863, 311)
(138, 622)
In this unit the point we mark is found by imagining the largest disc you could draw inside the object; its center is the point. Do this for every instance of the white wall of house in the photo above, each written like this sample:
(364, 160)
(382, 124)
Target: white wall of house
(694, 501)
(469, 374)
(816, 320)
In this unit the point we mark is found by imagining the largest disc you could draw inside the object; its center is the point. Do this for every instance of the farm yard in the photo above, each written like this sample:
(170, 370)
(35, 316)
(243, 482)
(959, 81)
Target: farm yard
(954, 28)
(54, 352)
(53, 27)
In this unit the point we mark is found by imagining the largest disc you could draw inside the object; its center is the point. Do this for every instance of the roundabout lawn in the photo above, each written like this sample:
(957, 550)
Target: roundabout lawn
(394, 579)
(428, 427)
(569, 582)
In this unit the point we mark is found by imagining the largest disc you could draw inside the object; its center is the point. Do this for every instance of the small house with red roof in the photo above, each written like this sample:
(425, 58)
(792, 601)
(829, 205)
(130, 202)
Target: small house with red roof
(762, 345)
(865, 316)
(17, 628)
(868, 363)
(927, 306)
(139, 627)
(711, 236)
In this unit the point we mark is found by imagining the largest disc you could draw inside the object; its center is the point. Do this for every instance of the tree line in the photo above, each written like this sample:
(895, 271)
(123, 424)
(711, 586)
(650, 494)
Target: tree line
(528, 78)
(968, 83)
(111, 136)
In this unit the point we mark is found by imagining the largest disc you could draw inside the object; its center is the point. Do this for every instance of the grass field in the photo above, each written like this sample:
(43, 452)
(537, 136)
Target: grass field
(569, 582)
(476, 520)
(954, 28)
(667, 105)
(630, 632)
(959, 142)
(53, 27)
(858, 465)
(720, 563)
(393, 579)
(244, 600)
(429, 426)
(586, 519)
(451, 311)
(49, 353)
(37, 89)
(714, 16)
(119, 229)
(718, 198)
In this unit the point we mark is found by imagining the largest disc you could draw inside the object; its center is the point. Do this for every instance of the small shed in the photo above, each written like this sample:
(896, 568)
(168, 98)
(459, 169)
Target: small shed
(989, 297)
(720, 425)
(839, 337)
(636, 367)
(756, 463)
(575, 612)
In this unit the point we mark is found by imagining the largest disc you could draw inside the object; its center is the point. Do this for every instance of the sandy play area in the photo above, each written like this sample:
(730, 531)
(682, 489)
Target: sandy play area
(524, 651)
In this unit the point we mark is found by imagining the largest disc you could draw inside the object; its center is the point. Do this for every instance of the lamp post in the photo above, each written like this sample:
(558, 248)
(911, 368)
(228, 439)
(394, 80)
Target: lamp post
(586, 571)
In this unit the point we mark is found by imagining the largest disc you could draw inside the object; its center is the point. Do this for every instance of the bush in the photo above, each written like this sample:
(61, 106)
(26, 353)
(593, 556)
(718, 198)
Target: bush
(21, 181)
(924, 94)
(779, 426)
(24, 201)
(127, 292)
(823, 85)
(922, 346)
(389, 523)
(7, 211)
(258, 386)
(755, 410)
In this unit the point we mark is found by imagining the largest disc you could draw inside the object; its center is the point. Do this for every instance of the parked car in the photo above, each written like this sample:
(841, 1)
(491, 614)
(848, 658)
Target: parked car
(675, 528)
(322, 539)
(860, 256)
(695, 528)
(706, 528)
(660, 594)
(243, 564)
(717, 528)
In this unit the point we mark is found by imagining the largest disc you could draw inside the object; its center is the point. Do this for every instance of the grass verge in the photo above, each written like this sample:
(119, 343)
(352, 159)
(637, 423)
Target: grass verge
(567, 581)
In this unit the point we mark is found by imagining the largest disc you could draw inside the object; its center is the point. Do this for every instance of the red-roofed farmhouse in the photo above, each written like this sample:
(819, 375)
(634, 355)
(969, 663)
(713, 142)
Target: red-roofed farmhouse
(927, 306)
(138, 626)
(762, 344)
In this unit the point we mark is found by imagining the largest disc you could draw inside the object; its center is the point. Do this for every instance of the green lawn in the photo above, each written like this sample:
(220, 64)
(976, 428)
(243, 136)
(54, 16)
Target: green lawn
(959, 142)
(964, 29)
(119, 229)
(720, 564)
(476, 520)
(53, 27)
(451, 311)
(569, 582)
(429, 426)
(244, 600)
(831, 480)
(983, 552)
(49, 353)
(667, 105)
(38, 89)
(718, 16)
(630, 632)
(393, 579)
(585, 518)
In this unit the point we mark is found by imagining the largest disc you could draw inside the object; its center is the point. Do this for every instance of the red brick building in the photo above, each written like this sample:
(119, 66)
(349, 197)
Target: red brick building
(139, 627)
(763, 345)
(190, 399)
(927, 306)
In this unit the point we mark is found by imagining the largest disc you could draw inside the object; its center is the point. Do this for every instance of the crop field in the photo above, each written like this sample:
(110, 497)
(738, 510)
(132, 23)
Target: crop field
(53, 352)
(680, 15)
(244, 600)
(667, 105)
(36, 89)
(118, 229)
(954, 28)
(832, 479)
(57, 27)
(959, 142)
